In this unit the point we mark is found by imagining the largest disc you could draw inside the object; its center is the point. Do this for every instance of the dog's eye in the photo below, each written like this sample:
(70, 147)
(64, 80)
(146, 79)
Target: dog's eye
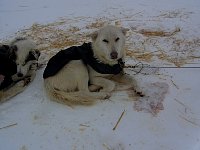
(23, 64)
(117, 39)
(106, 41)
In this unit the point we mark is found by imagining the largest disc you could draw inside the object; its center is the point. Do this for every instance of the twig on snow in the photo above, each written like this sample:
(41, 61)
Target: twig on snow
(14, 124)
(119, 120)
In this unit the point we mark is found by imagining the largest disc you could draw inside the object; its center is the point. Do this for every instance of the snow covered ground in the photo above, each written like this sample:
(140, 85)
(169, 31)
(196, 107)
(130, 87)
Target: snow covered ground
(162, 33)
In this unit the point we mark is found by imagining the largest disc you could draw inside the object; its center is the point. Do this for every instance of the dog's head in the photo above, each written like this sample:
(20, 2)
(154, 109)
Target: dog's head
(108, 44)
(25, 56)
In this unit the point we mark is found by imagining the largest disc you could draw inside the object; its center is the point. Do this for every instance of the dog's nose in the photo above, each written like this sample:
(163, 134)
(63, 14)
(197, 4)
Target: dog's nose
(113, 55)
(20, 75)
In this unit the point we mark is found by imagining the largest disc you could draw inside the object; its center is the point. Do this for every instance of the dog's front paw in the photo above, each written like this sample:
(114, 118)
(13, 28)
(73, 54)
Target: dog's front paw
(108, 95)
(27, 80)
(34, 66)
(20, 83)
(105, 95)
(94, 88)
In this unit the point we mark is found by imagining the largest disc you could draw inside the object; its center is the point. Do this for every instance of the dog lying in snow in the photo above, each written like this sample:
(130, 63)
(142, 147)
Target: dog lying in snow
(18, 65)
(83, 74)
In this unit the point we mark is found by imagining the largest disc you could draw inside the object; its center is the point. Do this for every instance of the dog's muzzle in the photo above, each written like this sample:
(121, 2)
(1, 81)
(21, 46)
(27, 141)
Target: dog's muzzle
(113, 55)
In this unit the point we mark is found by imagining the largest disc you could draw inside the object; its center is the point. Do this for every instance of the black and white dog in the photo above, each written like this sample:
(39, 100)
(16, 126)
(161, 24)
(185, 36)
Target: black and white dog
(18, 65)
(98, 63)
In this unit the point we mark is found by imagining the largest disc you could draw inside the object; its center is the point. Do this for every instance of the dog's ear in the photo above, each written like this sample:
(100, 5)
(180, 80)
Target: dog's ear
(33, 55)
(94, 35)
(124, 30)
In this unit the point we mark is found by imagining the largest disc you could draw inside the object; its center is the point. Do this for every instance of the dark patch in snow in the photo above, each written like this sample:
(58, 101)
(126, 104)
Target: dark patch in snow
(153, 101)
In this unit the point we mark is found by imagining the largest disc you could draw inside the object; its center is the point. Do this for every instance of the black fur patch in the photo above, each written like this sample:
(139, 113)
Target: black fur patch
(84, 53)
(33, 55)
(7, 66)
(12, 54)
(30, 57)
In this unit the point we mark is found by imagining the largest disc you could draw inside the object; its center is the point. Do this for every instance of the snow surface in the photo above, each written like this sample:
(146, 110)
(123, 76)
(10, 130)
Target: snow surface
(38, 123)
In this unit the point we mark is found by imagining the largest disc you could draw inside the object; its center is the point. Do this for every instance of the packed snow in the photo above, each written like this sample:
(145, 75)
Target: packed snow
(163, 36)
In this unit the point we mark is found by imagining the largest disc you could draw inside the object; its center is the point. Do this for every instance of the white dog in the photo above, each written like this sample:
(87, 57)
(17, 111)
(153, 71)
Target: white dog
(25, 56)
(70, 84)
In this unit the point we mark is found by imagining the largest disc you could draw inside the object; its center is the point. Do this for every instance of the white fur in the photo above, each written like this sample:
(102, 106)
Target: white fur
(102, 50)
(70, 84)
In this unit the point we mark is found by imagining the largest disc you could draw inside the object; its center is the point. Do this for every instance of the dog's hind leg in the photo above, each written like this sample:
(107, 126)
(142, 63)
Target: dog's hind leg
(81, 97)
(130, 83)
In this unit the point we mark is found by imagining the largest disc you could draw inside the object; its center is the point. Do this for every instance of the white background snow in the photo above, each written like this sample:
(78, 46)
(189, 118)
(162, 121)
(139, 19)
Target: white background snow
(42, 124)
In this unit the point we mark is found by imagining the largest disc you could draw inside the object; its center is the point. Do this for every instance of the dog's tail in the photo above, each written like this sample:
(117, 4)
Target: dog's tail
(68, 98)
